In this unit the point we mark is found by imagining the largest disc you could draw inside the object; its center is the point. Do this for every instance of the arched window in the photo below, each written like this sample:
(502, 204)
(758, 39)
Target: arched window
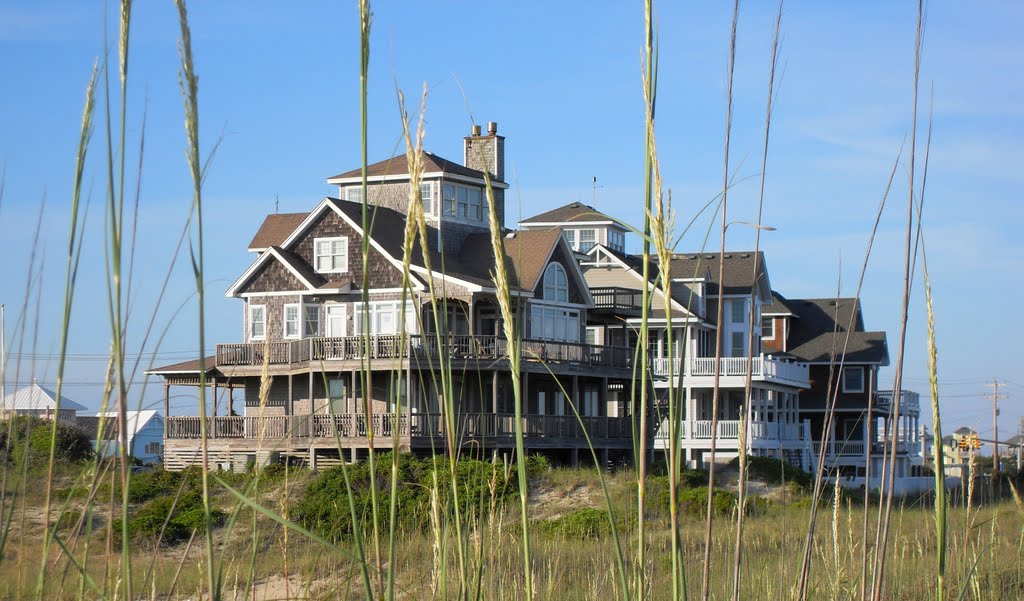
(556, 284)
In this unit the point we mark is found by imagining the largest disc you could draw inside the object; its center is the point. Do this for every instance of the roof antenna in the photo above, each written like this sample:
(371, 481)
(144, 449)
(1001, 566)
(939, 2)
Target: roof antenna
(594, 187)
(277, 204)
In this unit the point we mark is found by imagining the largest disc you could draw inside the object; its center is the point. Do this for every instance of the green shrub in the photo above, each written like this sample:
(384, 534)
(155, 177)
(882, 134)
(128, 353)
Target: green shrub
(324, 506)
(583, 523)
(771, 471)
(31, 438)
(148, 520)
(694, 501)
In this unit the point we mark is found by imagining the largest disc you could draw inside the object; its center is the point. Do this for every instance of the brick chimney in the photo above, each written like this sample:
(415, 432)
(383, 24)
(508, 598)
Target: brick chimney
(486, 152)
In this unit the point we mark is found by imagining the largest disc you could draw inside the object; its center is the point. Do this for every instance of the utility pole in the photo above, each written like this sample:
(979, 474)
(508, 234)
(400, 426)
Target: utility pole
(995, 431)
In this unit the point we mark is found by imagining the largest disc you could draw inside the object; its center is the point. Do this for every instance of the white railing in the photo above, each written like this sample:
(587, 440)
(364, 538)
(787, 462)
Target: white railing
(761, 368)
(730, 430)
(910, 401)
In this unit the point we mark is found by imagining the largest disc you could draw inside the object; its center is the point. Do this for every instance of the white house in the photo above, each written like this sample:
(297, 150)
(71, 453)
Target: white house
(145, 434)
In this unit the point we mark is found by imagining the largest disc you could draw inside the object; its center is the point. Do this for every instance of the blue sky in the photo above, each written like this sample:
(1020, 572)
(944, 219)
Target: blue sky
(279, 89)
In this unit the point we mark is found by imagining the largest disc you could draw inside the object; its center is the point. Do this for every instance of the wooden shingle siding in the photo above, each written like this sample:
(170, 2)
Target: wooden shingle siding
(273, 277)
(382, 274)
(274, 306)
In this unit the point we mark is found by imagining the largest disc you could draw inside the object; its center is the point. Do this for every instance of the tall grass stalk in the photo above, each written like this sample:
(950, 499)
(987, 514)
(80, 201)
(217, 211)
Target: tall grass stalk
(878, 591)
(190, 93)
(716, 391)
(650, 82)
(745, 423)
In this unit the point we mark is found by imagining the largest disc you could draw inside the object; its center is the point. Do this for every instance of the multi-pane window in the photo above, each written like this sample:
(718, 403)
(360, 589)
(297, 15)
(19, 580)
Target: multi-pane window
(383, 318)
(354, 193)
(427, 194)
(551, 323)
(311, 319)
(570, 237)
(462, 194)
(556, 284)
(257, 322)
(853, 379)
(739, 344)
(616, 240)
(767, 328)
(331, 254)
(475, 205)
(588, 238)
(736, 311)
(291, 321)
(449, 199)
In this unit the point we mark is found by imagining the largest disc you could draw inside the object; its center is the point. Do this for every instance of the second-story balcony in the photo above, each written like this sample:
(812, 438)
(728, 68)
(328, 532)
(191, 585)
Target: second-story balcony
(618, 299)
(910, 401)
(298, 353)
(732, 370)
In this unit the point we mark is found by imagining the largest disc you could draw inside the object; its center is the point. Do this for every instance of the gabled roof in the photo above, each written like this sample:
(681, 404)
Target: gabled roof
(292, 262)
(399, 165)
(136, 420)
(680, 294)
(820, 332)
(570, 213)
(38, 398)
(739, 274)
(275, 229)
(777, 307)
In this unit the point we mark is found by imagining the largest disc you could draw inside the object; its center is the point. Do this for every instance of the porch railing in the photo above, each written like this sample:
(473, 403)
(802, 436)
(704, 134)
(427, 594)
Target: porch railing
(614, 297)
(423, 425)
(761, 368)
(424, 346)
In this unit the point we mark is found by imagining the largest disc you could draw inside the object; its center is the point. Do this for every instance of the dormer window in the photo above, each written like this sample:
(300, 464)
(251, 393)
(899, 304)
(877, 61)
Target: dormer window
(556, 284)
(588, 238)
(464, 202)
(354, 193)
(331, 254)
(616, 240)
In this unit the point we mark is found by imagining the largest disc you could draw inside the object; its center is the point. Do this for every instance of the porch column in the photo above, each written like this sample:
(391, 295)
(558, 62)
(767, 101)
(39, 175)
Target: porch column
(288, 406)
(494, 392)
(312, 407)
(603, 396)
(215, 398)
(576, 396)
(167, 404)
(353, 397)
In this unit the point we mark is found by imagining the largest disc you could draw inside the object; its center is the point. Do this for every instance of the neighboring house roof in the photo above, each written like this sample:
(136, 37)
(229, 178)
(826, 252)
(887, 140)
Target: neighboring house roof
(38, 398)
(777, 307)
(572, 212)
(1015, 440)
(820, 332)
(399, 165)
(136, 420)
(185, 367)
(275, 229)
(963, 431)
(738, 273)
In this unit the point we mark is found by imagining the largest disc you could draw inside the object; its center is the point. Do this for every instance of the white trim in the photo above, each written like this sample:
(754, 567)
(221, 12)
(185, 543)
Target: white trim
(331, 240)
(529, 224)
(298, 321)
(344, 319)
(610, 254)
(248, 323)
(233, 290)
(771, 319)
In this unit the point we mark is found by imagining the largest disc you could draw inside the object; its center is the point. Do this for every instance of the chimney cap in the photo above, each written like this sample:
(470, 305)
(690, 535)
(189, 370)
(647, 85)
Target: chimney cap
(475, 131)
(492, 127)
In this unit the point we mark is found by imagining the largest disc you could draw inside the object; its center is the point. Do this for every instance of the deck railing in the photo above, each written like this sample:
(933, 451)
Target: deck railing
(613, 297)
(909, 400)
(422, 425)
(761, 368)
(730, 430)
(254, 354)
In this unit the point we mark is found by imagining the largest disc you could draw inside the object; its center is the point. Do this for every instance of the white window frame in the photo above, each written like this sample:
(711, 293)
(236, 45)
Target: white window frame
(262, 321)
(317, 256)
(556, 283)
(850, 369)
(427, 196)
(570, 237)
(769, 333)
(616, 240)
(384, 308)
(592, 241)
(449, 199)
(550, 322)
(285, 321)
(354, 193)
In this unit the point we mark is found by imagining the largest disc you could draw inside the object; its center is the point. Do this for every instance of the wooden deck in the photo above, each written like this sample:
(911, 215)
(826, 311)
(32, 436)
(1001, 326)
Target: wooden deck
(286, 433)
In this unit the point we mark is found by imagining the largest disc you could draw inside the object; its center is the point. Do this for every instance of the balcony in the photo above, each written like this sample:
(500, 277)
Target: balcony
(910, 402)
(617, 299)
(729, 431)
(418, 429)
(300, 353)
(762, 369)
